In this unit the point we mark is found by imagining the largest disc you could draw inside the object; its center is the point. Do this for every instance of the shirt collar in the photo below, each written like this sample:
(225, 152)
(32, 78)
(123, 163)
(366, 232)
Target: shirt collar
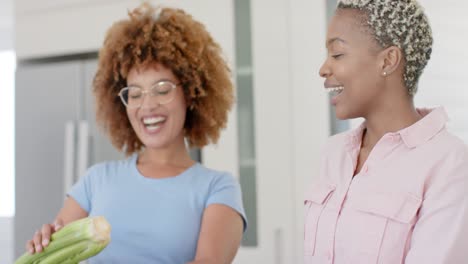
(431, 124)
(355, 136)
(433, 121)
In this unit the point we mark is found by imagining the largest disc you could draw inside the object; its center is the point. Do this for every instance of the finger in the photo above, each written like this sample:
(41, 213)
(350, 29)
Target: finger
(30, 246)
(58, 224)
(37, 241)
(46, 228)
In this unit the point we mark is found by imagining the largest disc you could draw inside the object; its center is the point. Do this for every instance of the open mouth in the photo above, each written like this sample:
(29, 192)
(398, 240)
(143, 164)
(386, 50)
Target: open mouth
(335, 90)
(153, 123)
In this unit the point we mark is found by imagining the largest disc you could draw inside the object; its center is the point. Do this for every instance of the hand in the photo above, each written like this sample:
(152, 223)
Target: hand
(42, 237)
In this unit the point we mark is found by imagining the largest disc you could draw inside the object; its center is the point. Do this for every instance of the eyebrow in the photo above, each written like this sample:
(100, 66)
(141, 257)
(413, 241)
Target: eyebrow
(332, 40)
(158, 81)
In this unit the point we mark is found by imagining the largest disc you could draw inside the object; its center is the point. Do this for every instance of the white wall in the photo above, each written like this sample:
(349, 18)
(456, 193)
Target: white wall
(78, 26)
(6, 240)
(6, 24)
(444, 80)
(6, 43)
(6, 38)
(7, 194)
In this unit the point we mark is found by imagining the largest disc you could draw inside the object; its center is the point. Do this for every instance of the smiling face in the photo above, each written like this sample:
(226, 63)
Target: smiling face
(157, 125)
(353, 68)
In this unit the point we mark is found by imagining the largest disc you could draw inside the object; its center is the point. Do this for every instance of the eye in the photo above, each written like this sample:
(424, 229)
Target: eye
(162, 88)
(134, 93)
(165, 92)
(337, 56)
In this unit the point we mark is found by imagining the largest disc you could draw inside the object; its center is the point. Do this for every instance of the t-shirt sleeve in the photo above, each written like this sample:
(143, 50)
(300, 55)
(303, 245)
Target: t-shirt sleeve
(82, 190)
(226, 190)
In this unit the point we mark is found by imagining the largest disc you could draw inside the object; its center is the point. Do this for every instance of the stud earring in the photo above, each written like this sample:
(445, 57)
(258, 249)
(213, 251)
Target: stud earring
(384, 73)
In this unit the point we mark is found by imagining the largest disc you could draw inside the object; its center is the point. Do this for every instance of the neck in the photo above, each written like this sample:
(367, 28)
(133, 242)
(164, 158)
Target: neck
(175, 154)
(389, 116)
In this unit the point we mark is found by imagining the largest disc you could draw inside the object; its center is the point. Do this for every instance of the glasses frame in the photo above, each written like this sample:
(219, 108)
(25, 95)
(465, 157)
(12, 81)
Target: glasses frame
(147, 91)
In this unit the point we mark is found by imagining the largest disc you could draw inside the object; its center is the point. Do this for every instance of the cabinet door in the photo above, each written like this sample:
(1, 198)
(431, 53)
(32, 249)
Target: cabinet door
(257, 144)
(46, 99)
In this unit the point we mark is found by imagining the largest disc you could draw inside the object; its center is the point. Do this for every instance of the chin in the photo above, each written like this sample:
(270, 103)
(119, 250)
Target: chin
(156, 145)
(341, 115)
(344, 114)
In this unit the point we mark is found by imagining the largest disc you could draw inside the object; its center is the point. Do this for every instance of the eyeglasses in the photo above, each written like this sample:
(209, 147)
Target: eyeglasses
(133, 96)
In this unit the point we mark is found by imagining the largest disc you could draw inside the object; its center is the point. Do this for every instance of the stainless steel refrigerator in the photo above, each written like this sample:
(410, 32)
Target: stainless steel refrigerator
(56, 138)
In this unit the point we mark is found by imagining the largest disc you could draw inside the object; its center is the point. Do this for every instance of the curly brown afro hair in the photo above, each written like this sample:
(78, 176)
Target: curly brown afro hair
(174, 39)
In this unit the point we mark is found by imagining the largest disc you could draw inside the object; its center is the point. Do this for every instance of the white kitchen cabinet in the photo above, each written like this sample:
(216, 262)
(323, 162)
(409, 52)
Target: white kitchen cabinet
(57, 28)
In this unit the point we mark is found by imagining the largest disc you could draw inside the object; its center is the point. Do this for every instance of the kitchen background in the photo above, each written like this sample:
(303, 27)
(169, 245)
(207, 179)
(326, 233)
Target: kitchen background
(282, 117)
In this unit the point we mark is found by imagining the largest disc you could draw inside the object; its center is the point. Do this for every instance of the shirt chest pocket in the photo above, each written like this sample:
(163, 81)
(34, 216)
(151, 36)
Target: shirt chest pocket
(379, 223)
(315, 202)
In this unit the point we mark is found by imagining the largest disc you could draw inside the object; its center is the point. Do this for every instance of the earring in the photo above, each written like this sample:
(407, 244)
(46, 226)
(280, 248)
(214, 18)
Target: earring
(384, 73)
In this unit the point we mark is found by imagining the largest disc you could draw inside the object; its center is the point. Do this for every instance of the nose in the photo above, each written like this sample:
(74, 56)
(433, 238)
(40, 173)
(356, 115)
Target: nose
(149, 102)
(324, 71)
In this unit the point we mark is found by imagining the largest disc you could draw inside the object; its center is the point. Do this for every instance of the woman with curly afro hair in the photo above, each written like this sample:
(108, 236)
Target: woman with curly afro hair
(161, 82)
(394, 190)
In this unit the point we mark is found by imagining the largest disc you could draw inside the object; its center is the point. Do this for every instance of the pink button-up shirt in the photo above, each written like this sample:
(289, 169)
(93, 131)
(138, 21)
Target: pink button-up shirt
(408, 204)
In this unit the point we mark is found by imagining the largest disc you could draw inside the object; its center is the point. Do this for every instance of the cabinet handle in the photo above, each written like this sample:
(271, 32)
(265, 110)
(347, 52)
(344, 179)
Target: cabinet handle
(83, 149)
(69, 156)
(278, 246)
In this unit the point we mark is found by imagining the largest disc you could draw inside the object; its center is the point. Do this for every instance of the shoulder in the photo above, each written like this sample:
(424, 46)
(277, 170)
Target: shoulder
(448, 172)
(450, 148)
(213, 176)
(448, 158)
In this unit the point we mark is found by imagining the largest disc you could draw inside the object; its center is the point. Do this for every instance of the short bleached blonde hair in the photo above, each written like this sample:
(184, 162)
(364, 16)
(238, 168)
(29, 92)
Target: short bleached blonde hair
(400, 23)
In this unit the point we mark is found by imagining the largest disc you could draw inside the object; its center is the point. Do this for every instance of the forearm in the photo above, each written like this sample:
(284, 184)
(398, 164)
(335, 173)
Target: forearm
(220, 236)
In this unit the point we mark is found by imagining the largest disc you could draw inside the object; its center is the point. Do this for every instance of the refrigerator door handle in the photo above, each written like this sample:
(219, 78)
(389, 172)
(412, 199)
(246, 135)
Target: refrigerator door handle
(278, 245)
(69, 159)
(83, 149)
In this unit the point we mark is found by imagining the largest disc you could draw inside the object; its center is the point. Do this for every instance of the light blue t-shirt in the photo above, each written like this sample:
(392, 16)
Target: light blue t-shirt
(153, 220)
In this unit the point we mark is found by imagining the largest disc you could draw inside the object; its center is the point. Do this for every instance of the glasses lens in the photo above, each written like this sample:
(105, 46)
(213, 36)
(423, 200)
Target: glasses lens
(132, 96)
(164, 91)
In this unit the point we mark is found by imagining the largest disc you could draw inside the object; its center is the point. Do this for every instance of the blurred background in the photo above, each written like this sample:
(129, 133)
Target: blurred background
(48, 137)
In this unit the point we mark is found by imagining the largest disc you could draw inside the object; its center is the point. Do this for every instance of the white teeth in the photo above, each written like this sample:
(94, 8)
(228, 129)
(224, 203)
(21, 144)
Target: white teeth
(337, 89)
(152, 128)
(153, 120)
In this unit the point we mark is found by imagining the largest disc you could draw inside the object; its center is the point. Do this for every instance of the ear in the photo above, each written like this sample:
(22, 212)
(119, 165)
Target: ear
(390, 59)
